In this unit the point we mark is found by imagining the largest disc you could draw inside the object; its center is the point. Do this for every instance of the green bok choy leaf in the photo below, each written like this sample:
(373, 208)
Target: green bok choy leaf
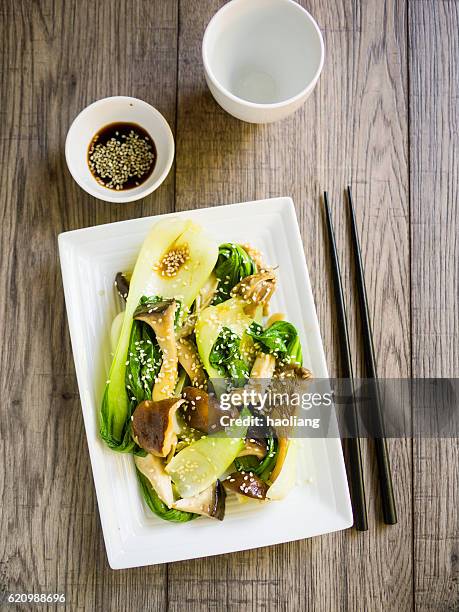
(226, 357)
(233, 264)
(212, 320)
(280, 339)
(143, 363)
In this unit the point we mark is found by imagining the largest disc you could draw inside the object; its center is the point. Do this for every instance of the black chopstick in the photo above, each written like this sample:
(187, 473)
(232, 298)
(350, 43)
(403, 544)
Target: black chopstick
(382, 457)
(354, 467)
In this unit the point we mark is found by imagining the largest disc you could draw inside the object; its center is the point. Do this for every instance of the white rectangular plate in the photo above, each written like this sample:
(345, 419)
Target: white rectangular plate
(133, 536)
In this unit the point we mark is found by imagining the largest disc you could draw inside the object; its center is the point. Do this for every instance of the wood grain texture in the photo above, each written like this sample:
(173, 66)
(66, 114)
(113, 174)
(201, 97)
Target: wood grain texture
(353, 129)
(384, 118)
(56, 58)
(434, 137)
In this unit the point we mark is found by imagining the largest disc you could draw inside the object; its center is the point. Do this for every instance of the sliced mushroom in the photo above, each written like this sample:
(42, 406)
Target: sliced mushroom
(155, 427)
(246, 483)
(204, 298)
(202, 410)
(256, 255)
(153, 469)
(262, 372)
(255, 448)
(256, 290)
(211, 502)
(206, 295)
(189, 359)
(122, 285)
(196, 408)
(283, 444)
(292, 371)
(260, 376)
(161, 317)
(263, 366)
(188, 326)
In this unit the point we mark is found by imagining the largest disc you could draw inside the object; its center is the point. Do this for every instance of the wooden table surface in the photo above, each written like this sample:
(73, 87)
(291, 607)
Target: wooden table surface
(384, 117)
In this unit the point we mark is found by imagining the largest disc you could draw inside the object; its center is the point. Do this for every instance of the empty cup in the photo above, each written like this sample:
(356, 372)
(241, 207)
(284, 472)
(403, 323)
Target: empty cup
(262, 58)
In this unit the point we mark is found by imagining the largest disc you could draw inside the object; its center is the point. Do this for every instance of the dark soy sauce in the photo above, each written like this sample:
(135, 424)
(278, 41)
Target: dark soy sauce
(121, 156)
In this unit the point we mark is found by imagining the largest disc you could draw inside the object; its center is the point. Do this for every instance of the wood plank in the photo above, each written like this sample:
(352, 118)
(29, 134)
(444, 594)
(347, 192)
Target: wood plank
(57, 57)
(354, 128)
(434, 138)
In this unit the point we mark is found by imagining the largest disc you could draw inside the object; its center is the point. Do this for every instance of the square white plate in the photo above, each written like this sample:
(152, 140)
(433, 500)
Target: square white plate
(133, 536)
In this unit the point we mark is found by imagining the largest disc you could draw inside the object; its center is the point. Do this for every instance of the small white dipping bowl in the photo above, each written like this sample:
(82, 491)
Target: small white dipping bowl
(262, 58)
(112, 110)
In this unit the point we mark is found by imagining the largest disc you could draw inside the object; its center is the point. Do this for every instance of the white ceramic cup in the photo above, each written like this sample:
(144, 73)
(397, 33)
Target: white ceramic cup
(262, 58)
(112, 110)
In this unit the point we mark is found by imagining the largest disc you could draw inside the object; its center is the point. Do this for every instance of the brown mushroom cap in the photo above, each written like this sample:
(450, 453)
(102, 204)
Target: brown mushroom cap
(202, 410)
(122, 285)
(196, 408)
(198, 405)
(246, 483)
(292, 371)
(154, 425)
(157, 313)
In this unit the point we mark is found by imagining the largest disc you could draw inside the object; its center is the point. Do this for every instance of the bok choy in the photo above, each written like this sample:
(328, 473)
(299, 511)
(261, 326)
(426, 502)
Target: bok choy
(226, 357)
(158, 507)
(194, 320)
(229, 315)
(280, 339)
(233, 264)
(201, 463)
(175, 261)
(262, 468)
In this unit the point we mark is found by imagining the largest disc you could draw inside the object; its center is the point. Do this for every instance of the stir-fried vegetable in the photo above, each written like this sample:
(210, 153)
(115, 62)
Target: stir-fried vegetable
(175, 261)
(225, 356)
(262, 468)
(233, 264)
(210, 323)
(115, 330)
(161, 315)
(144, 359)
(210, 502)
(280, 339)
(158, 507)
(201, 463)
(166, 345)
(247, 484)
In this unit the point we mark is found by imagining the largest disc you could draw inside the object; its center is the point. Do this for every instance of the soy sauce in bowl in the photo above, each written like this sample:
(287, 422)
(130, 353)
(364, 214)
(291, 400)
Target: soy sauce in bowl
(121, 156)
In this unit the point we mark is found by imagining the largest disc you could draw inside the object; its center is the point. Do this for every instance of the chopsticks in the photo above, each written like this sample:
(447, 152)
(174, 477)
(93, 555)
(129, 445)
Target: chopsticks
(382, 457)
(354, 466)
(352, 444)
